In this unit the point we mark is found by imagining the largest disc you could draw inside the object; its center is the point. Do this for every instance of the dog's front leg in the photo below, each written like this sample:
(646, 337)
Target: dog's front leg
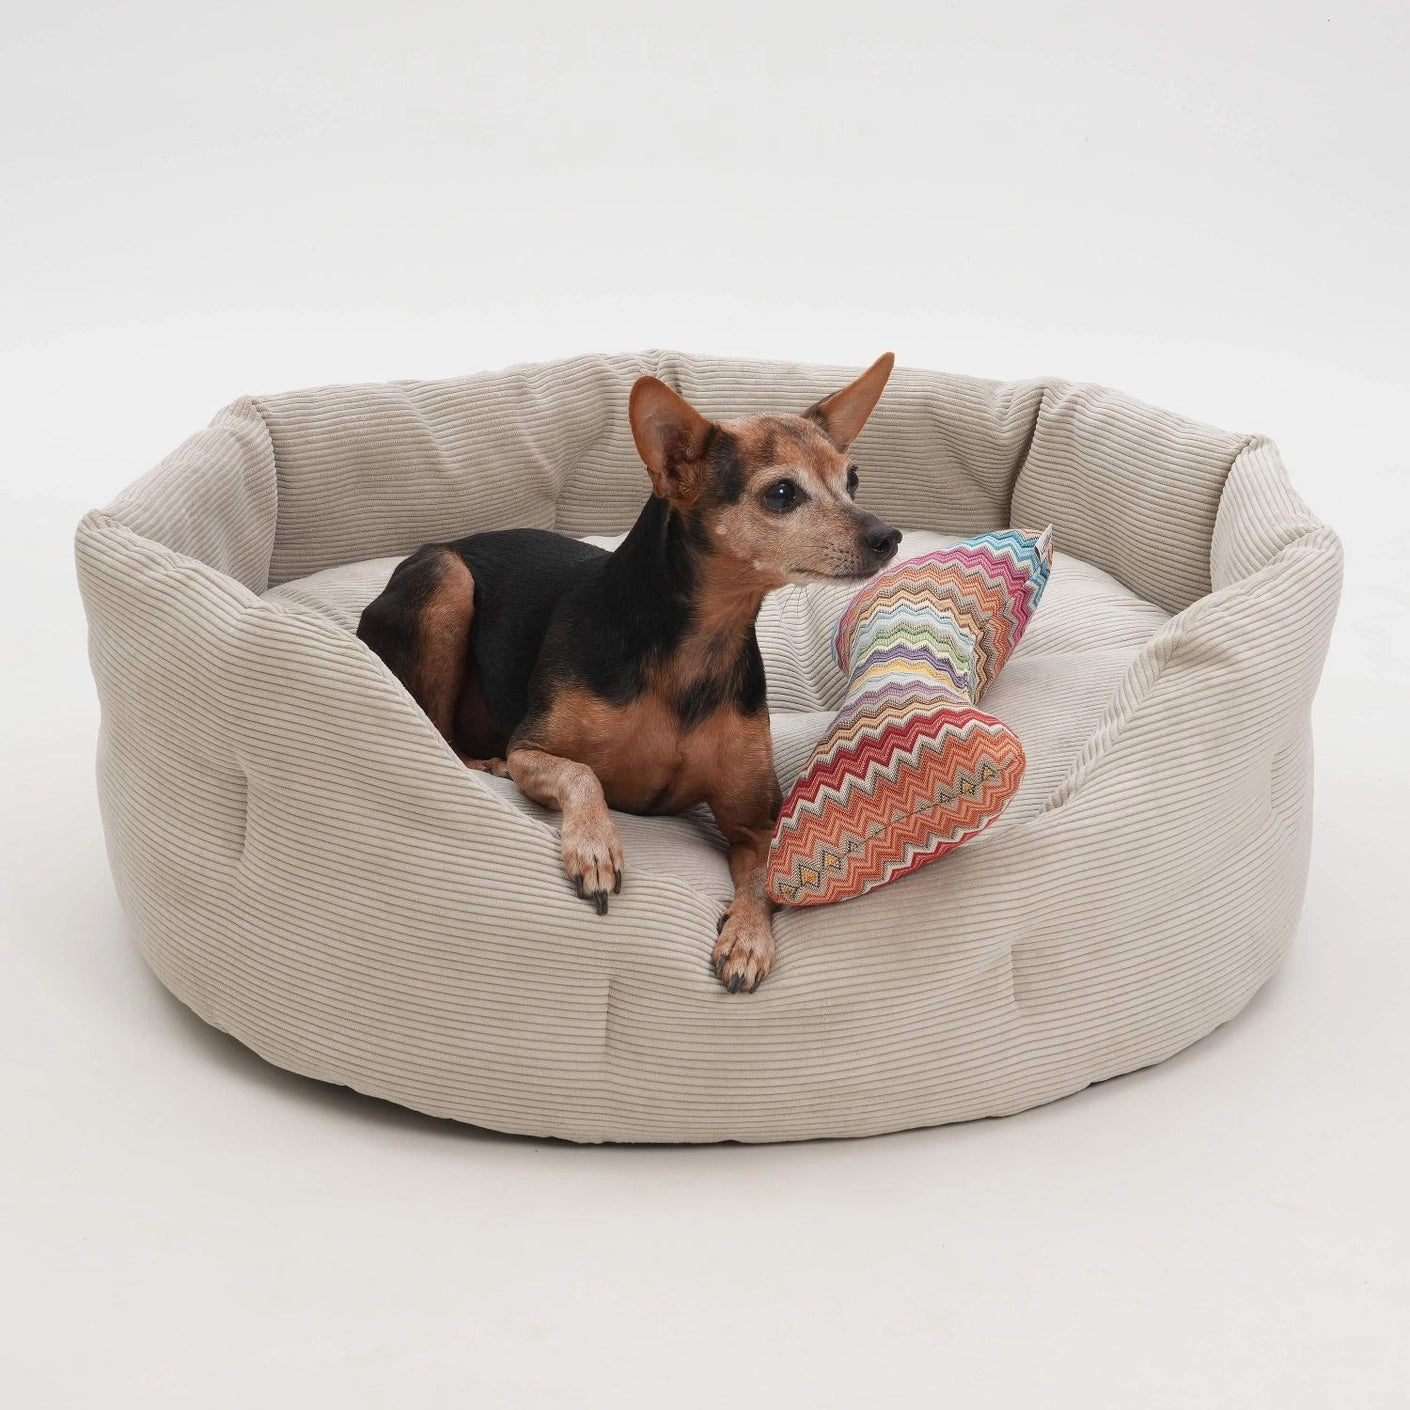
(592, 855)
(744, 953)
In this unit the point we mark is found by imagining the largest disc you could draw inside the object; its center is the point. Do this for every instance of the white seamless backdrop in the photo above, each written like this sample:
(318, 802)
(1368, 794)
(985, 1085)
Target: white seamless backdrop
(1205, 205)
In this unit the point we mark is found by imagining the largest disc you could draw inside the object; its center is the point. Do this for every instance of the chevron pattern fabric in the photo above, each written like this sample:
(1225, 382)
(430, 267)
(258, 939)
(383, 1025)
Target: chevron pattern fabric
(910, 767)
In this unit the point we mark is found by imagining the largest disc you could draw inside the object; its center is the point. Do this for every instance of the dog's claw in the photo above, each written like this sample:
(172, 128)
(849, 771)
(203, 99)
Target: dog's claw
(599, 899)
(617, 882)
(581, 888)
(719, 927)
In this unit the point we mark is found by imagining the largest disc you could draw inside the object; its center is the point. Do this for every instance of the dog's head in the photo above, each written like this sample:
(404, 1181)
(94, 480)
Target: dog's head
(771, 496)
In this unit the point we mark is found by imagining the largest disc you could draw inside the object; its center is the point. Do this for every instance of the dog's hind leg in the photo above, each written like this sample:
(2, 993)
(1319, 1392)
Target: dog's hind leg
(420, 626)
(498, 767)
(592, 853)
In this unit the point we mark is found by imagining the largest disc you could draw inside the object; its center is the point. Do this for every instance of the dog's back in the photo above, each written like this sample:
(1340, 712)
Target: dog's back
(519, 576)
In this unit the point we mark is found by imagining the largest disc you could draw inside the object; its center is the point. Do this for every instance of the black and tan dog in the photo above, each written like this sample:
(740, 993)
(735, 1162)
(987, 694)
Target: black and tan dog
(633, 679)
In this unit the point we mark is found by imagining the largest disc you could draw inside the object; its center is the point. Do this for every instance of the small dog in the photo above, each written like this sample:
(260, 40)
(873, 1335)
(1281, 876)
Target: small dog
(633, 679)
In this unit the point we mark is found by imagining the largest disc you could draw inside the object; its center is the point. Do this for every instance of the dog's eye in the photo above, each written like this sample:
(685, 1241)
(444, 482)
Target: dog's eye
(852, 478)
(782, 496)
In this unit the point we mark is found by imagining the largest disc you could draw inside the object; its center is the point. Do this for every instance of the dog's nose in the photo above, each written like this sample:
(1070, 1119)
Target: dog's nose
(882, 540)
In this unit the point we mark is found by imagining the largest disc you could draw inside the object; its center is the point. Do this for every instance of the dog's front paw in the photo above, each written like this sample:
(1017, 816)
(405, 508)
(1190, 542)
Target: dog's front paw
(592, 858)
(744, 953)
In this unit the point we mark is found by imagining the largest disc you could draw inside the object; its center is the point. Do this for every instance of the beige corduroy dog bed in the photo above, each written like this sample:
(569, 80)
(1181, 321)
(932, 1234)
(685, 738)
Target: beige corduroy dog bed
(306, 864)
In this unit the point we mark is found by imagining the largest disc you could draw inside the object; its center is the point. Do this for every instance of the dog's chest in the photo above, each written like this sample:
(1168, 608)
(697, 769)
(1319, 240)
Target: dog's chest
(648, 761)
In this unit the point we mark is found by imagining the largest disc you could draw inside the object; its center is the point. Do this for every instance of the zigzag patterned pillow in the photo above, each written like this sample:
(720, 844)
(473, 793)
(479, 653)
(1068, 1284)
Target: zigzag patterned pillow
(910, 768)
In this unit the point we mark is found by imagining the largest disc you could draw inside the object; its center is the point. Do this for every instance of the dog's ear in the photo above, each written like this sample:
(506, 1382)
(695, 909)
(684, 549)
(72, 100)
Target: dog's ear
(844, 413)
(671, 436)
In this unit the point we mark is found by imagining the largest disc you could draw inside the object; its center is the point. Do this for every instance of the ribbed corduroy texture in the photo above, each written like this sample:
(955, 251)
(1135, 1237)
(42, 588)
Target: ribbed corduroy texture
(307, 865)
